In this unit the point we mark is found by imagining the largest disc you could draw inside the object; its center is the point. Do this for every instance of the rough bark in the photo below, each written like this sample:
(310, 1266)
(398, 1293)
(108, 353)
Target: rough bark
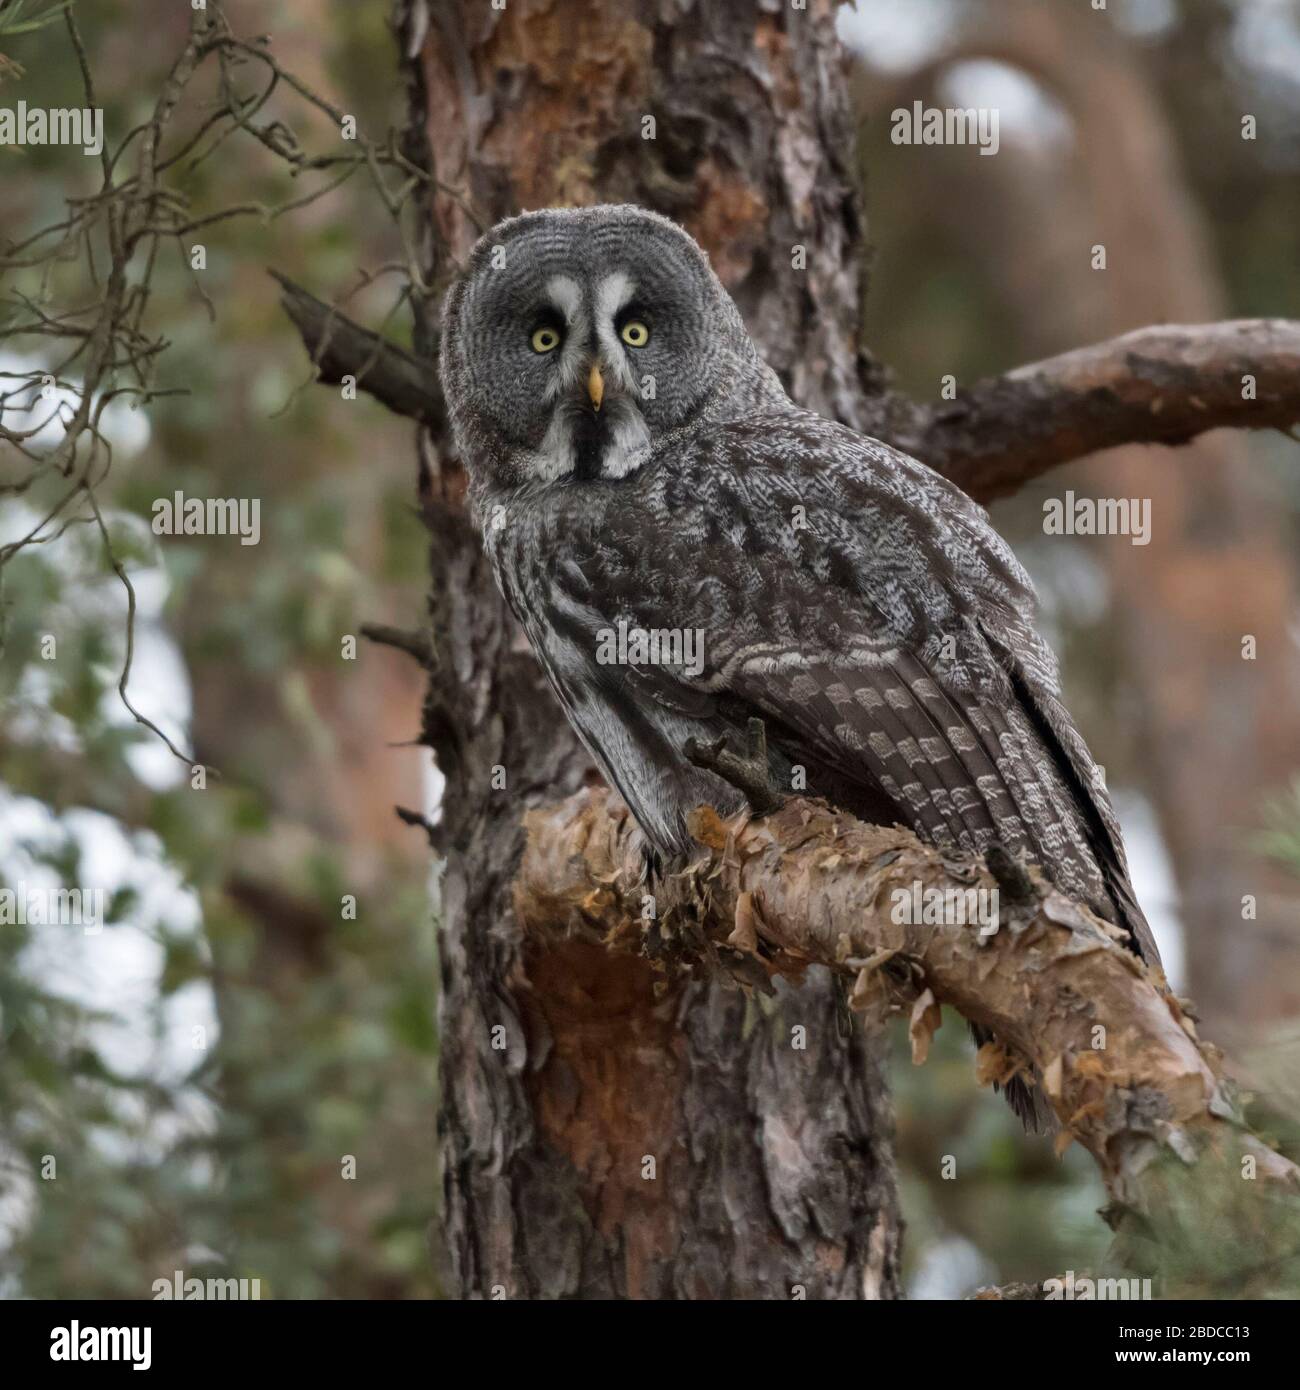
(565, 1069)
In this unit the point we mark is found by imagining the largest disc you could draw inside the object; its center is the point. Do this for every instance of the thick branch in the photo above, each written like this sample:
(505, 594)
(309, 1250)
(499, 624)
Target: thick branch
(1117, 1056)
(405, 383)
(1160, 385)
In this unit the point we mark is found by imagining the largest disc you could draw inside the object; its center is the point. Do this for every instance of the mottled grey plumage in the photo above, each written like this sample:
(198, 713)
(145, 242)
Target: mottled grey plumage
(857, 602)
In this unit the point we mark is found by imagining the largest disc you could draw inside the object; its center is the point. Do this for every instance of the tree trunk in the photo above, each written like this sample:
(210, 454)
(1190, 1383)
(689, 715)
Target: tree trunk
(605, 1130)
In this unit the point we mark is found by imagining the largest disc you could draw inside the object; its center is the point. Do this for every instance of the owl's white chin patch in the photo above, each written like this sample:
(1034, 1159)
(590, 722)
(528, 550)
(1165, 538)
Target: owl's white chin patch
(625, 443)
(629, 445)
(556, 458)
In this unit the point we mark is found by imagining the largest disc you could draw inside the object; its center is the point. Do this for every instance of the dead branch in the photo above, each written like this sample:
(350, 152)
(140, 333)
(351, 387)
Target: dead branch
(405, 383)
(1117, 1055)
(1160, 385)
(415, 644)
(92, 345)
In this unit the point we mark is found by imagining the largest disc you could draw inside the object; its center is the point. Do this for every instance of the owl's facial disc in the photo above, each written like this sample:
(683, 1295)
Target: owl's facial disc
(596, 427)
(579, 338)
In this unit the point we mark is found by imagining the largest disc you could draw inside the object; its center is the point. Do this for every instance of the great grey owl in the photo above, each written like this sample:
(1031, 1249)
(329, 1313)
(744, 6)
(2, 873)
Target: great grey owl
(687, 549)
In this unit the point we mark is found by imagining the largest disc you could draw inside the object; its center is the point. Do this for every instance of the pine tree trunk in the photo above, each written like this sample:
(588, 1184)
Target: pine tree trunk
(604, 1131)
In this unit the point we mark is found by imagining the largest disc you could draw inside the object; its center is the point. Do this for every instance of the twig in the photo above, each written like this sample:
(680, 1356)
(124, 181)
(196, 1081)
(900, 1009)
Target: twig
(414, 644)
(120, 570)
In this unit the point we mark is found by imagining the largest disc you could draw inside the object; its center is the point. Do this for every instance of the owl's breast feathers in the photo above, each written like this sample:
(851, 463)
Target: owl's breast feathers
(861, 605)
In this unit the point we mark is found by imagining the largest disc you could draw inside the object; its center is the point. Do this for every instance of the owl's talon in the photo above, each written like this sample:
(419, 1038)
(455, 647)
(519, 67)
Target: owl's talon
(1011, 875)
(749, 774)
(757, 738)
(652, 866)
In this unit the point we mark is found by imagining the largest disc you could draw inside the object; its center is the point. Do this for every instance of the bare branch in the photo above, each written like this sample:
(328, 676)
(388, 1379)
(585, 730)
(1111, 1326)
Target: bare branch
(406, 384)
(1159, 385)
(120, 570)
(414, 644)
(100, 326)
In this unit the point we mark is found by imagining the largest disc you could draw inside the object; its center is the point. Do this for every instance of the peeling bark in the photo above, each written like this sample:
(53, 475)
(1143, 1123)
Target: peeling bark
(1118, 1055)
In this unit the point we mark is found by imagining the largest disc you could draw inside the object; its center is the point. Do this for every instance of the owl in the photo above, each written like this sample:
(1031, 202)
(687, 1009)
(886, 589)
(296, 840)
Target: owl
(687, 550)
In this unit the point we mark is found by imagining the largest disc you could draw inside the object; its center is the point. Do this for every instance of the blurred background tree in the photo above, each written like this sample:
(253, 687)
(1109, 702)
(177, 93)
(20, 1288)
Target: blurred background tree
(1127, 134)
(221, 1150)
(200, 1068)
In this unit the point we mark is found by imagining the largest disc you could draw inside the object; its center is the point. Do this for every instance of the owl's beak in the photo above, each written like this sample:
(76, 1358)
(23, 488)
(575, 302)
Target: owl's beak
(596, 386)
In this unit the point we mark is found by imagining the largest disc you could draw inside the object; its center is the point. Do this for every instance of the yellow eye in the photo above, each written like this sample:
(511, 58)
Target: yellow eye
(635, 333)
(545, 340)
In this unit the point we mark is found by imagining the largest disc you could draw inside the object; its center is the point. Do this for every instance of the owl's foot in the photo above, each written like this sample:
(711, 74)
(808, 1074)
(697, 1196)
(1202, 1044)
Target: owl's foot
(652, 866)
(1011, 875)
(748, 773)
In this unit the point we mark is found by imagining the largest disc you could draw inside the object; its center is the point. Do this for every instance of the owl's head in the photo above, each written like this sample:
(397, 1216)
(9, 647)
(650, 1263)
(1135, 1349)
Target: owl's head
(578, 337)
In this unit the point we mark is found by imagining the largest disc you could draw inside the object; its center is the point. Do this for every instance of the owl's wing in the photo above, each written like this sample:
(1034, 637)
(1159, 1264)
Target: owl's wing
(1032, 669)
(867, 611)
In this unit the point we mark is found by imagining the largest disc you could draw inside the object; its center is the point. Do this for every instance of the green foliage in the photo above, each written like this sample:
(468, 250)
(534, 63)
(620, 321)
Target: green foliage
(1280, 839)
(26, 16)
